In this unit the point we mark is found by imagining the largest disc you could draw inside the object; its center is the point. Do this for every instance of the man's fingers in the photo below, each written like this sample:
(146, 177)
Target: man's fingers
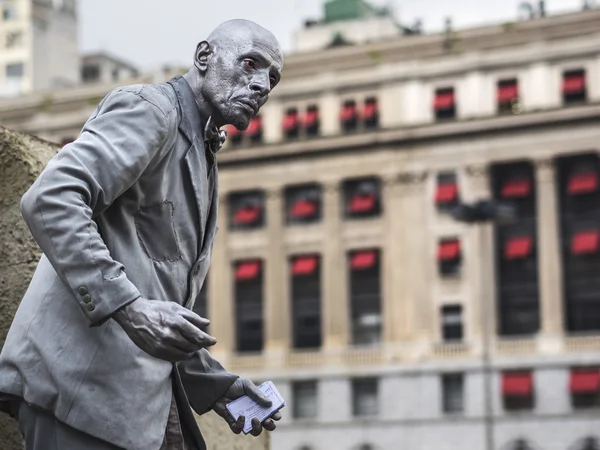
(276, 416)
(255, 394)
(256, 427)
(195, 335)
(269, 425)
(238, 426)
(194, 318)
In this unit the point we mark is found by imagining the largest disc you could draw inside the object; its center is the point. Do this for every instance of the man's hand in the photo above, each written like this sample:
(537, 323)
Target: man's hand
(241, 387)
(164, 330)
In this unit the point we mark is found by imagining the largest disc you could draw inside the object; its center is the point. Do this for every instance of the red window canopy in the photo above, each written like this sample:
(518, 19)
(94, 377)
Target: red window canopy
(312, 117)
(303, 208)
(585, 242)
(370, 109)
(304, 265)
(232, 131)
(444, 100)
(362, 203)
(583, 183)
(585, 381)
(517, 384)
(574, 83)
(508, 92)
(247, 214)
(518, 247)
(449, 250)
(255, 126)
(291, 120)
(516, 188)
(348, 112)
(446, 193)
(247, 270)
(363, 260)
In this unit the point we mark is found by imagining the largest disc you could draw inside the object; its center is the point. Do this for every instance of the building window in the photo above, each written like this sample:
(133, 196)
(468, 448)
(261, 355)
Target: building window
(249, 306)
(452, 393)
(365, 397)
(291, 123)
(349, 116)
(246, 210)
(14, 39)
(304, 395)
(580, 235)
(303, 204)
(306, 301)
(585, 387)
(362, 198)
(517, 390)
(312, 123)
(10, 11)
(15, 71)
(370, 113)
(446, 192)
(516, 256)
(444, 105)
(365, 297)
(234, 136)
(574, 87)
(90, 73)
(255, 130)
(449, 257)
(452, 323)
(508, 97)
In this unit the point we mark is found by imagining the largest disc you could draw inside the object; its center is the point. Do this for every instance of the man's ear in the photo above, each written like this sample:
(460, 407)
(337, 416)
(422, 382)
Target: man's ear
(203, 51)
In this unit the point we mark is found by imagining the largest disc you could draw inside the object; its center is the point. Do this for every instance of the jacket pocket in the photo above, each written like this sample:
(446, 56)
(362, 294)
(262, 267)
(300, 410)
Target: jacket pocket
(156, 231)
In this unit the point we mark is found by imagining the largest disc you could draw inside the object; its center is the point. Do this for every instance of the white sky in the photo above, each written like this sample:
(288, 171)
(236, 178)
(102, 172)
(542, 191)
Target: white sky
(150, 33)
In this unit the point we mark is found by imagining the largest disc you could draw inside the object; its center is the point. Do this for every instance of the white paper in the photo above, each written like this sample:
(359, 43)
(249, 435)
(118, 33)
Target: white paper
(245, 406)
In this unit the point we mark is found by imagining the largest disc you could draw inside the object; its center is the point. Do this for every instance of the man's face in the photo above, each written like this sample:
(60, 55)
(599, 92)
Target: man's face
(240, 75)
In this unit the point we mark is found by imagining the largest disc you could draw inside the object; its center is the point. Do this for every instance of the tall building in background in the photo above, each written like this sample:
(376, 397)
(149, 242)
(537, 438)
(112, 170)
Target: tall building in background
(38, 46)
(338, 272)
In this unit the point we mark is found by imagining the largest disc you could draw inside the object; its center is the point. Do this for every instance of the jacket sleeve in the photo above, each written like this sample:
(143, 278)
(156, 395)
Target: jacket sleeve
(114, 148)
(204, 380)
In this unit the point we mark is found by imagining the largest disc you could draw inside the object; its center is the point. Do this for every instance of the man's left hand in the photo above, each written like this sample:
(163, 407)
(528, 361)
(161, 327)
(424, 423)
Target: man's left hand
(241, 387)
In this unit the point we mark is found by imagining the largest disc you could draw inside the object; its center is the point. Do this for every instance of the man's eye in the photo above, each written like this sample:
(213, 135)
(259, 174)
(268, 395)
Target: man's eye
(250, 63)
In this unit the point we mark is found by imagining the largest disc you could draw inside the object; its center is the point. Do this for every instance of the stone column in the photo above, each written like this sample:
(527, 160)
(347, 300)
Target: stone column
(329, 106)
(220, 287)
(548, 248)
(336, 314)
(479, 260)
(276, 305)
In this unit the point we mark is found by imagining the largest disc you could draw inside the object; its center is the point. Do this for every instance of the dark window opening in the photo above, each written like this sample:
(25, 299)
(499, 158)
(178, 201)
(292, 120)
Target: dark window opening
(90, 73)
(452, 323)
(365, 297)
(247, 210)
(585, 387)
(517, 390)
(255, 130)
(444, 104)
(349, 116)
(312, 122)
(365, 397)
(362, 198)
(446, 193)
(303, 204)
(249, 306)
(304, 396)
(453, 393)
(508, 96)
(449, 257)
(291, 123)
(370, 113)
(234, 136)
(306, 301)
(574, 88)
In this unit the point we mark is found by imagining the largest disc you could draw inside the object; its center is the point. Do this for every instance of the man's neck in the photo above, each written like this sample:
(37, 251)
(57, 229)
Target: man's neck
(194, 79)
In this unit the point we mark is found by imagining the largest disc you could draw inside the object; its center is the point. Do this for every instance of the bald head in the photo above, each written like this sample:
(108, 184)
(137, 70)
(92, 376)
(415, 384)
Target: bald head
(236, 68)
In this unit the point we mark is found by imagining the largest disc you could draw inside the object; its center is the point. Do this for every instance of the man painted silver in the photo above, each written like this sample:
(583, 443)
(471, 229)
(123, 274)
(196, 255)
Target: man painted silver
(104, 350)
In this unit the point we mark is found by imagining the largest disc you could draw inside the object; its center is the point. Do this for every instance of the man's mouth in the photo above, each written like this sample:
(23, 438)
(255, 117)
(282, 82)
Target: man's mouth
(249, 105)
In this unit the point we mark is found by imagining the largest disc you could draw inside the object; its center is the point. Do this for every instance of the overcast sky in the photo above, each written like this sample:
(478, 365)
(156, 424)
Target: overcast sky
(151, 33)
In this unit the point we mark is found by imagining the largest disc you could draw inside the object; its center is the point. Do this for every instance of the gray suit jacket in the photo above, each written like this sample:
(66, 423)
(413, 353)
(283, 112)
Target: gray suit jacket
(120, 213)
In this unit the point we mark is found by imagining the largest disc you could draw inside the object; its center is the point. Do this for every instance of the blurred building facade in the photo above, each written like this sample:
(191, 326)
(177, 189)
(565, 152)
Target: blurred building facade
(339, 274)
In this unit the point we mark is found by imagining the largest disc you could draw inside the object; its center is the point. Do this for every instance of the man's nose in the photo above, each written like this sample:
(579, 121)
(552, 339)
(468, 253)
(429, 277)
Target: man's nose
(260, 85)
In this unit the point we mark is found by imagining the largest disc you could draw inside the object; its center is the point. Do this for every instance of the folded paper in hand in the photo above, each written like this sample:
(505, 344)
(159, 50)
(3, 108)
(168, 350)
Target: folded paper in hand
(245, 406)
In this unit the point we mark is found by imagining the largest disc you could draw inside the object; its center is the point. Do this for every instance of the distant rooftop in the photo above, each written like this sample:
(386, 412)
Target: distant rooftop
(342, 10)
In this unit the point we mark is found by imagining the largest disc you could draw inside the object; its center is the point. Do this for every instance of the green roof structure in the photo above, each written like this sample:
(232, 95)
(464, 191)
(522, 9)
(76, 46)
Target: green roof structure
(342, 10)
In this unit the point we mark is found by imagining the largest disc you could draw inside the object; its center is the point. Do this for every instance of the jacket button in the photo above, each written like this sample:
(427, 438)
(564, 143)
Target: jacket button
(82, 290)
(87, 298)
(90, 306)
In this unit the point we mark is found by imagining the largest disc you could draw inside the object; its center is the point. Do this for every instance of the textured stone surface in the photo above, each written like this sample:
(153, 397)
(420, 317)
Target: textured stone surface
(22, 158)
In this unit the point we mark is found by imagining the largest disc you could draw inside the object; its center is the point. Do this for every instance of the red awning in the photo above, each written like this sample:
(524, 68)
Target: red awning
(247, 270)
(583, 183)
(362, 203)
(446, 193)
(311, 117)
(508, 92)
(255, 126)
(247, 214)
(291, 121)
(574, 84)
(232, 131)
(443, 100)
(585, 381)
(303, 208)
(518, 247)
(304, 265)
(585, 242)
(517, 384)
(516, 188)
(348, 112)
(448, 250)
(370, 110)
(363, 260)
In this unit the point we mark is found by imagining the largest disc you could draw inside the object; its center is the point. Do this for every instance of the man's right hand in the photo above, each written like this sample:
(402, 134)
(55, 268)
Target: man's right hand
(164, 330)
